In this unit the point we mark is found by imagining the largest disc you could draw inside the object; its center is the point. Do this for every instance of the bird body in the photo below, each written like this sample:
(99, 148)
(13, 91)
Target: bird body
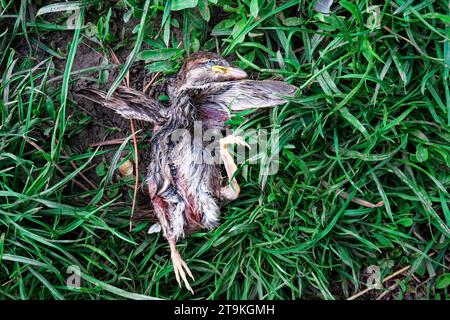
(184, 179)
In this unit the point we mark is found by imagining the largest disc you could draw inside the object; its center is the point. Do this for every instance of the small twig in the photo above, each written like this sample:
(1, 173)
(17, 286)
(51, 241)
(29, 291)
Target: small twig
(405, 39)
(109, 142)
(420, 285)
(150, 83)
(126, 80)
(388, 290)
(217, 46)
(89, 182)
(82, 186)
(361, 293)
(136, 179)
(359, 201)
(418, 236)
(89, 168)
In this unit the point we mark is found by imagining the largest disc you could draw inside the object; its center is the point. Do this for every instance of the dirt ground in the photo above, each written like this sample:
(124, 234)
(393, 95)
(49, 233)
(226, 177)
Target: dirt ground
(104, 125)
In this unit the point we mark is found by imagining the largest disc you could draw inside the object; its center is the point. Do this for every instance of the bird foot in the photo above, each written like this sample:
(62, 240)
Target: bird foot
(155, 228)
(180, 269)
(232, 139)
(230, 192)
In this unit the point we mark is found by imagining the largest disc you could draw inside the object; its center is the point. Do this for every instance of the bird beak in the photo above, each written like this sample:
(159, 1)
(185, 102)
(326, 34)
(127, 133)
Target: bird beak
(233, 73)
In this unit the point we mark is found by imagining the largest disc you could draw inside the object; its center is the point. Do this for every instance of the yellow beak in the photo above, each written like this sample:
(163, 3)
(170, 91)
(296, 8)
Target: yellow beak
(220, 69)
(232, 73)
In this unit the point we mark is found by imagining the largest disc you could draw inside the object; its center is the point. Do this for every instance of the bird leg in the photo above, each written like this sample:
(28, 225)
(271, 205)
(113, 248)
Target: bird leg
(230, 192)
(179, 266)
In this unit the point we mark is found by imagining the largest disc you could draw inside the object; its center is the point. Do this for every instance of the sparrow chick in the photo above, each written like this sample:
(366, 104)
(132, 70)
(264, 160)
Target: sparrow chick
(183, 180)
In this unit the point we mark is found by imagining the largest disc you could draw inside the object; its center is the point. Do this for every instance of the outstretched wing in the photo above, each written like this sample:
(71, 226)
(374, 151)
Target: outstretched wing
(130, 104)
(215, 105)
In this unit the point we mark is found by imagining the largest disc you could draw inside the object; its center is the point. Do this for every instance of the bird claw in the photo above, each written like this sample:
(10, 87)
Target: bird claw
(155, 228)
(232, 139)
(180, 269)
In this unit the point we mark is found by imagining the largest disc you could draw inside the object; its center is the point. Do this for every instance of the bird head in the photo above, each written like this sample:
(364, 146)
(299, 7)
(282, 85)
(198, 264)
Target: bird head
(203, 68)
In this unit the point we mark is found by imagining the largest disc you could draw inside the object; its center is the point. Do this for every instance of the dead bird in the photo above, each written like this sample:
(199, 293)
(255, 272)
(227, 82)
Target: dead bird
(184, 181)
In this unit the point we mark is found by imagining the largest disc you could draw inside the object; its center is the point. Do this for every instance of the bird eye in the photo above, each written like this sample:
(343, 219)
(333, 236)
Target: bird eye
(210, 63)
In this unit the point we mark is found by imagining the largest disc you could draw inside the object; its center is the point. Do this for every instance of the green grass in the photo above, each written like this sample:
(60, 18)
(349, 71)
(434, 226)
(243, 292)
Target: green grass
(372, 118)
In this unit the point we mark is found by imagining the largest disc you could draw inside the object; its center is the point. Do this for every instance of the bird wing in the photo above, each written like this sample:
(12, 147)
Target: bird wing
(215, 104)
(129, 103)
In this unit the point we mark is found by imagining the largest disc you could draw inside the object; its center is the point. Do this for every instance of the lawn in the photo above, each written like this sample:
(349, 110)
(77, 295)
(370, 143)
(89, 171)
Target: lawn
(359, 207)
